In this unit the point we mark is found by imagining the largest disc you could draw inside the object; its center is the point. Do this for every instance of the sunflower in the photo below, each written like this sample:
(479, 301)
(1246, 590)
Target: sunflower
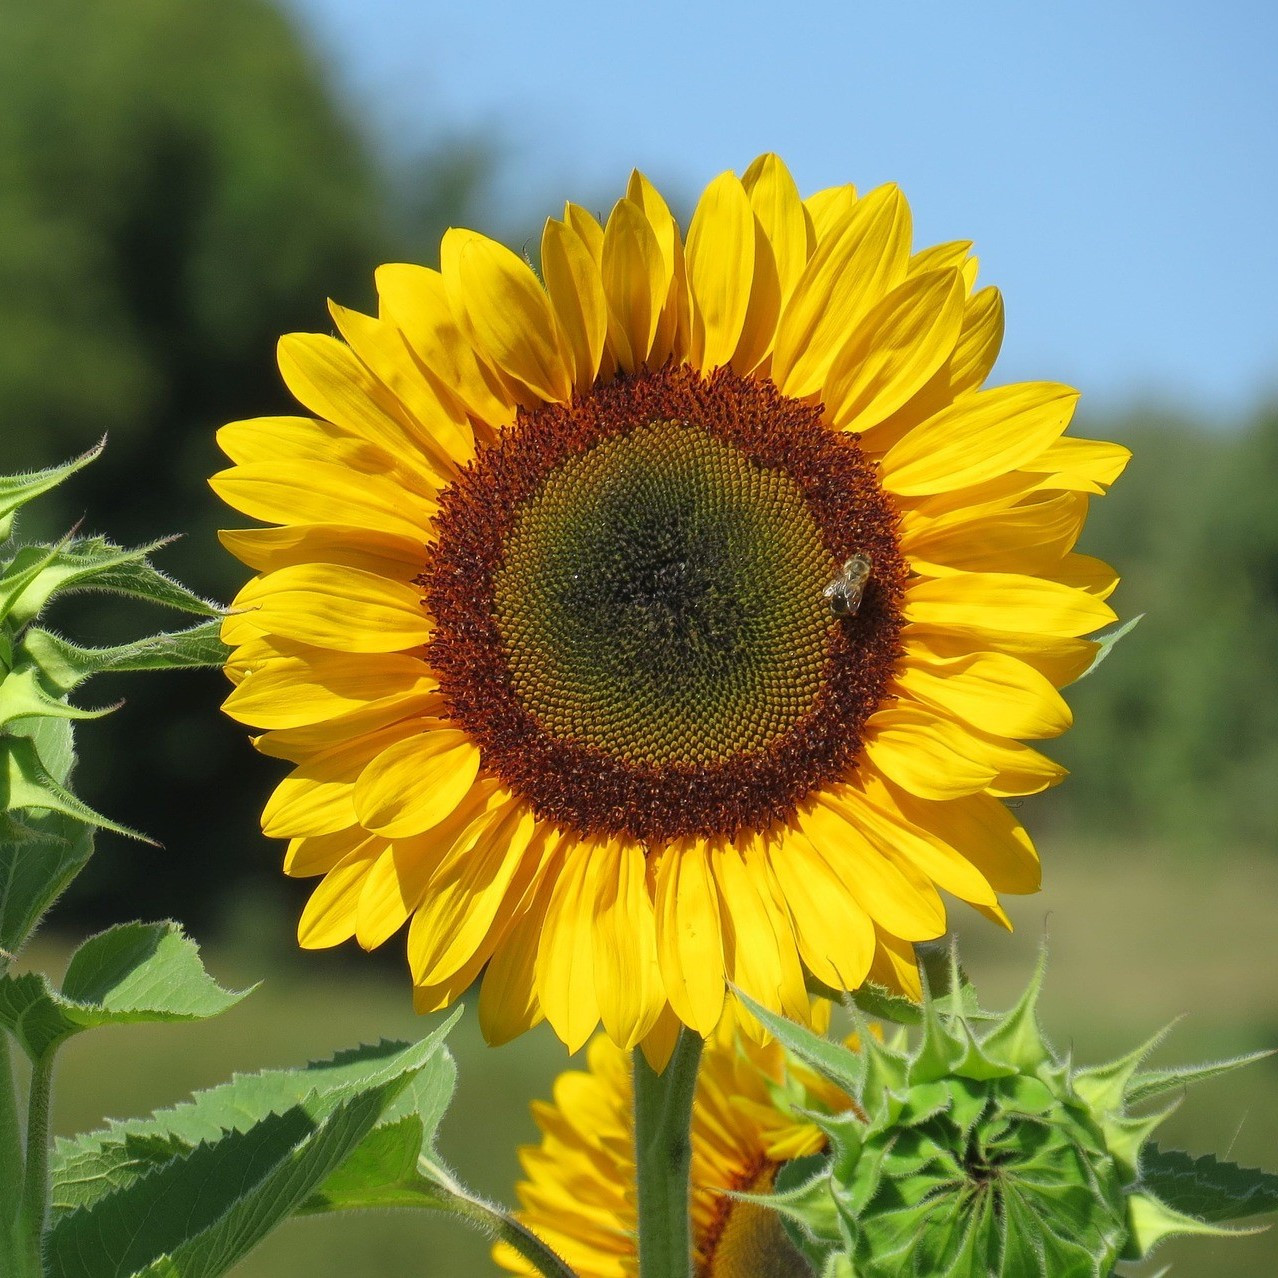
(579, 1196)
(675, 619)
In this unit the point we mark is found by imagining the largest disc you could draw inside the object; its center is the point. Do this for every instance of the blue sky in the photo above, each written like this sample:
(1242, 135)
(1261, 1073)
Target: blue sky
(1116, 163)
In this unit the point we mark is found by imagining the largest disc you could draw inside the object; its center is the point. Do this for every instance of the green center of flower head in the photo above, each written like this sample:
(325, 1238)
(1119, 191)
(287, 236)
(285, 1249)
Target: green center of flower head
(633, 610)
(661, 599)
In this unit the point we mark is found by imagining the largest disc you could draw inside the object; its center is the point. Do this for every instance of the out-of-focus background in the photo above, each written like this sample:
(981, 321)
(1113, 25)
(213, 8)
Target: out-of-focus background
(180, 183)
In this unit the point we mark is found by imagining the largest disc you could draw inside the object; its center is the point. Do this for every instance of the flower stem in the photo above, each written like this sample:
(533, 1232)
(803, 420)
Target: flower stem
(35, 1187)
(494, 1222)
(13, 1248)
(663, 1157)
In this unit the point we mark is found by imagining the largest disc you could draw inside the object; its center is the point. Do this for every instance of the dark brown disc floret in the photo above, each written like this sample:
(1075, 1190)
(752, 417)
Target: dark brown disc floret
(633, 610)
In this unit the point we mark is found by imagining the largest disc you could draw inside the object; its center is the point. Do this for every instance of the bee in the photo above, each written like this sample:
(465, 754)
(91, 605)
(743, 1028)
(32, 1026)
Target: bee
(845, 591)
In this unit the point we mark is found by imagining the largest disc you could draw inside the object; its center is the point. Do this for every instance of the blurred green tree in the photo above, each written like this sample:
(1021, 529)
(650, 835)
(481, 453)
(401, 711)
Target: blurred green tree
(1177, 737)
(179, 185)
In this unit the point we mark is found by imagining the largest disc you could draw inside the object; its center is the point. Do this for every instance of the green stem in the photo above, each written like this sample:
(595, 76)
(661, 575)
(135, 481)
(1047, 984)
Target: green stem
(35, 1188)
(13, 1253)
(663, 1157)
(494, 1222)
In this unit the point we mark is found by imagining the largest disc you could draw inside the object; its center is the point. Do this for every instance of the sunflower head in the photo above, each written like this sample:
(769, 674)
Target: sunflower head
(672, 621)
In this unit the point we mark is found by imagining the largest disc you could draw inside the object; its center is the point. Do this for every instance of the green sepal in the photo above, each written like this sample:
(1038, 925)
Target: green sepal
(831, 1060)
(1104, 1087)
(1151, 1222)
(22, 696)
(1017, 1039)
(17, 490)
(1154, 1083)
(95, 563)
(131, 972)
(1108, 639)
(65, 665)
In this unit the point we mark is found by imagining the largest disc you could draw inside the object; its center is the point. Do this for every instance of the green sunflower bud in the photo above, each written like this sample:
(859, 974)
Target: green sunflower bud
(982, 1152)
(39, 813)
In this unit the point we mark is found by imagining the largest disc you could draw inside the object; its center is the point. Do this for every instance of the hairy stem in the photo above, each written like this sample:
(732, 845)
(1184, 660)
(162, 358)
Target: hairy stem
(494, 1222)
(663, 1157)
(14, 1256)
(35, 1186)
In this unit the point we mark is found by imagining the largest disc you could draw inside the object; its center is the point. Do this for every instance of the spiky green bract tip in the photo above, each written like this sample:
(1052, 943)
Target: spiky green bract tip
(981, 1151)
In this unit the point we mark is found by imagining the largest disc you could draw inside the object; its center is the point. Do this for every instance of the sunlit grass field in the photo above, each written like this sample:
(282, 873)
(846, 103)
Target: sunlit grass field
(1137, 938)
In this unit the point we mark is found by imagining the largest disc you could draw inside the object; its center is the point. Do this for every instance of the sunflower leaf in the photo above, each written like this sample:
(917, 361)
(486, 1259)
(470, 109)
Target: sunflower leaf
(1207, 1187)
(189, 1191)
(131, 972)
(35, 870)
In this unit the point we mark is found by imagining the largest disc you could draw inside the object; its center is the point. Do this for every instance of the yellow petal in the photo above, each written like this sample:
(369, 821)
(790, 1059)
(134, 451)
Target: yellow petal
(302, 743)
(834, 933)
(924, 754)
(938, 257)
(265, 549)
(827, 209)
(896, 968)
(672, 328)
(1092, 460)
(905, 906)
(417, 783)
(576, 291)
(331, 606)
(566, 986)
(483, 876)
(311, 492)
(897, 837)
(415, 300)
(441, 430)
(689, 935)
(981, 829)
(787, 224)
(508, 1003)
(979, 341)
(1026, 538)
(863, 258)
(328, 379)
(762, 956)
(895, 350)
(995, 692)
(317, 796)
(720, 254)
(1085, 572)
(506, 311)
(319, 853)
(984, 435)
(293, 691)
(382, 908)
(636, 279)
(330, 915)
(1006, 601)
(627, 978)
(1059, 658)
